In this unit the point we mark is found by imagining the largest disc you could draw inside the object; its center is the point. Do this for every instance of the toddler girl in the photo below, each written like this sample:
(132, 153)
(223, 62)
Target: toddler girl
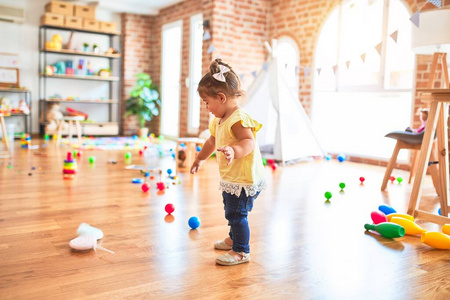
(241, 169)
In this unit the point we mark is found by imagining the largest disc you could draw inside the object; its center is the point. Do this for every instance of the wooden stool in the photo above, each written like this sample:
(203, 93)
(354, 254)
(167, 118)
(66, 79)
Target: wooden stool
(5, 136)
(409, 146)
(76, 120)
(439, 100)
(186, 155)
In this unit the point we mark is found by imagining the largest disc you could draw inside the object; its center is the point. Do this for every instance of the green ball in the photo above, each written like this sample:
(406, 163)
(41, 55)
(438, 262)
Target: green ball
(161, 138)
(328, 195)
(264, 161)
(128, 155)
(74, 154)
(342, 185)
(46, 137)
(9, 166)
(399, 179)
(91, 159)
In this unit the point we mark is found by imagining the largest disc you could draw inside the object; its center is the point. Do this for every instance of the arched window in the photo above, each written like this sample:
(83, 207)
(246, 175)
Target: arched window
(363, 80)
(288, 58)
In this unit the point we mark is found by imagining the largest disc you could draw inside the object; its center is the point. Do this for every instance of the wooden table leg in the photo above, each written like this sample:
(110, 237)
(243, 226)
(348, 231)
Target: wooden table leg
(443, 157)
(424, 156)
(390, 166)
(5, 134)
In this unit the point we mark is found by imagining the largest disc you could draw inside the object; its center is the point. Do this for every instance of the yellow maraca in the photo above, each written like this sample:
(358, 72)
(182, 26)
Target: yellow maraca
(436, 239)
(411, 228)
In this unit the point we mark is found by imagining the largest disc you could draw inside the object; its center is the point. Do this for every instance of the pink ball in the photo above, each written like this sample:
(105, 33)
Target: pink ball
(362, 179)
(378, 217)
(145, 187)
(169, 208)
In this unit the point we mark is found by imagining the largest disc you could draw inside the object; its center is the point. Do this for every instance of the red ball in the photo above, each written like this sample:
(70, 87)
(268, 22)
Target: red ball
(160, 186)
(78, 153)
(361, 179)
(274, 166)
(169, 208)
(145, 187)
(140, 152)
(270, 161)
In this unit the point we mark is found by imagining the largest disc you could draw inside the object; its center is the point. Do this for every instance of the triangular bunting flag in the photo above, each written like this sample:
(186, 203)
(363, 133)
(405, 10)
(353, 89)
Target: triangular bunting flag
(415, 19)
(335, 67)
(318, 71)
(435, 2)
(348, 64)
(254, 73)
(363, 57)
(306, 71)
(265, 66)
(211, 48)
(207, 35)
(378, 48)
(394, 35)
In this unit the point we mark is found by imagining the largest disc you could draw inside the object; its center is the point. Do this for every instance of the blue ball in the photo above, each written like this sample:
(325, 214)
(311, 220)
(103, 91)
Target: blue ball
(199, 148)
(341, 157)
(169, 171)
(328, 157)
(194, 222)
(439, 212)
(135, 137)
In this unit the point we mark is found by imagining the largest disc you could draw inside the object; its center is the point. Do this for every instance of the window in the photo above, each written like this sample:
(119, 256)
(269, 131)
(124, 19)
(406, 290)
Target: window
(195, 72)
(361, 94)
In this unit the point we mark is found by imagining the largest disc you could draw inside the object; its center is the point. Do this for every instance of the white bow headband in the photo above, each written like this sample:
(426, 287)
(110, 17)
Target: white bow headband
(220, 75)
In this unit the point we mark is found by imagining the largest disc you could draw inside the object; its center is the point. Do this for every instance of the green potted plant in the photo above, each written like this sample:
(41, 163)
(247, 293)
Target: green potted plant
(144, 102)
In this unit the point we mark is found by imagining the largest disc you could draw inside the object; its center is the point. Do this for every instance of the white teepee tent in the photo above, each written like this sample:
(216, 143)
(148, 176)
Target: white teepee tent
(286, 134)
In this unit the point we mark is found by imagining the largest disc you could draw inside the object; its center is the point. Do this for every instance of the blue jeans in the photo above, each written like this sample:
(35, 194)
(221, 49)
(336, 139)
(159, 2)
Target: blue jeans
(236, 212)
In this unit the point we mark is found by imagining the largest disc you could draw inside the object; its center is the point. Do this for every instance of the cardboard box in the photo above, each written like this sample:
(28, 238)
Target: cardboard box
(59, 7)
(82, 11)
(108, 26)
(52, 19)
(91, 24)
(73, 22)
(105, 128)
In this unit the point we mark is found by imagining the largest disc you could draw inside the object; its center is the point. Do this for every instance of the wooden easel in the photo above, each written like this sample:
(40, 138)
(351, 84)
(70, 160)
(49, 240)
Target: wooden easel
(4, 154)
(439, 100)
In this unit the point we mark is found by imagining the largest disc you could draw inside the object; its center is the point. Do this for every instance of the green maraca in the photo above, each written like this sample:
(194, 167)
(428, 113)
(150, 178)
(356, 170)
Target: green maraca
(342, 186)
(387, 229)
(399, 179)
(328, 195)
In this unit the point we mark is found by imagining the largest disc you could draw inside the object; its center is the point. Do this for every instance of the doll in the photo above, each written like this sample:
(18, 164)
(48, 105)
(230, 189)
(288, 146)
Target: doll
(423, 118)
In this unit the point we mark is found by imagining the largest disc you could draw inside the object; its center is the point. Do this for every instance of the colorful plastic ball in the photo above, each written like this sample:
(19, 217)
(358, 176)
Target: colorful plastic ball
(328, 157)
(264, 161)
(342, 185)
(135, 137)
(194, 222)
(74, 153)
(328, 195)
(270, 161)
(198, 148)
(362, 179)
(274, 166)
(145, 187)
(128, 155)
(46, 137)
(399, 180)
(341, 157)
(169, 171)
(78, 153)
(141, 153)
(169, 208)
(161, 138)
(91, 159)
(160, 186)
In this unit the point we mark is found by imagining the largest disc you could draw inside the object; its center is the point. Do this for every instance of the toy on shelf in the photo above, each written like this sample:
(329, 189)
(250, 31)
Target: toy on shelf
(55, 43)
(85, 47)
(111, 50)
(387, 229)
(70, 167)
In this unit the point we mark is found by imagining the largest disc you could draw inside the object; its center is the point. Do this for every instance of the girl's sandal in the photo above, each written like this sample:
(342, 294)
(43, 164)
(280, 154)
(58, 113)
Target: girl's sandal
(229, 260)
(221, 245)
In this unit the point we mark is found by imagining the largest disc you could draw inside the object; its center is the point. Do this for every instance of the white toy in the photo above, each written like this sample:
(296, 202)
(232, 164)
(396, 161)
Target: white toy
(87, 239)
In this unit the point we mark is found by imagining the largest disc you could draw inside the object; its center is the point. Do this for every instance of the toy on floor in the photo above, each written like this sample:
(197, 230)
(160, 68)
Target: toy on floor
(362, 179)
(26, 141)
(446, 229)
(342, 186)
(392, 178)
(70, 167)
(194, 222)
(341, 157)
(404, 216)
(91, 159)
(145, 187)
(87, 239)
(328, 157)
(386, 209)
(169, 208)
(436, 240)
(137, 180)
(127, 155)
(387, 229)
(328, 195)
(411, 228)
(399, 180)
(378, 217)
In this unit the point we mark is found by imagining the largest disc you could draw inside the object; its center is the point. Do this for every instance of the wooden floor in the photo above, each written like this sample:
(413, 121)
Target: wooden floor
(301, 248)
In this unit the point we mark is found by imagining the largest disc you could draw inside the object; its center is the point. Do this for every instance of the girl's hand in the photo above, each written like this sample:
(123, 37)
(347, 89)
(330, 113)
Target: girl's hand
(228, 152)
(196, 166)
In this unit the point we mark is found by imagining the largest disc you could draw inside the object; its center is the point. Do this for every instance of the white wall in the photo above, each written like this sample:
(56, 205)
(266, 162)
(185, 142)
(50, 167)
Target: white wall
(23, 39)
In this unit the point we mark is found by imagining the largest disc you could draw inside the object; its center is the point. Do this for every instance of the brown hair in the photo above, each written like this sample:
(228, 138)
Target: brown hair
(211, 86)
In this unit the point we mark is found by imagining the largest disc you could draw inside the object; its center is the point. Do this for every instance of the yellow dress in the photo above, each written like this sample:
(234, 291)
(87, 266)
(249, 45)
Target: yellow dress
(243, 173)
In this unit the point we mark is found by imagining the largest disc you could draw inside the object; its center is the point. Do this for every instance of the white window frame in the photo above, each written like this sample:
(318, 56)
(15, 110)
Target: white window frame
(194, 108)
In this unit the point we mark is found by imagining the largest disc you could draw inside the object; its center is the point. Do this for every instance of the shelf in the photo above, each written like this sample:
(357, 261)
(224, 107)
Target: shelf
(109, 101)
(13, 90)
(80, 30)
(82, 77)
(80, 53)
(18, 114)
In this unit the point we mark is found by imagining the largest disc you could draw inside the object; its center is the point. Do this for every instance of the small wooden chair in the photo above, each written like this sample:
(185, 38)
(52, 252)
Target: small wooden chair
(409, 141)
(76, 121)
